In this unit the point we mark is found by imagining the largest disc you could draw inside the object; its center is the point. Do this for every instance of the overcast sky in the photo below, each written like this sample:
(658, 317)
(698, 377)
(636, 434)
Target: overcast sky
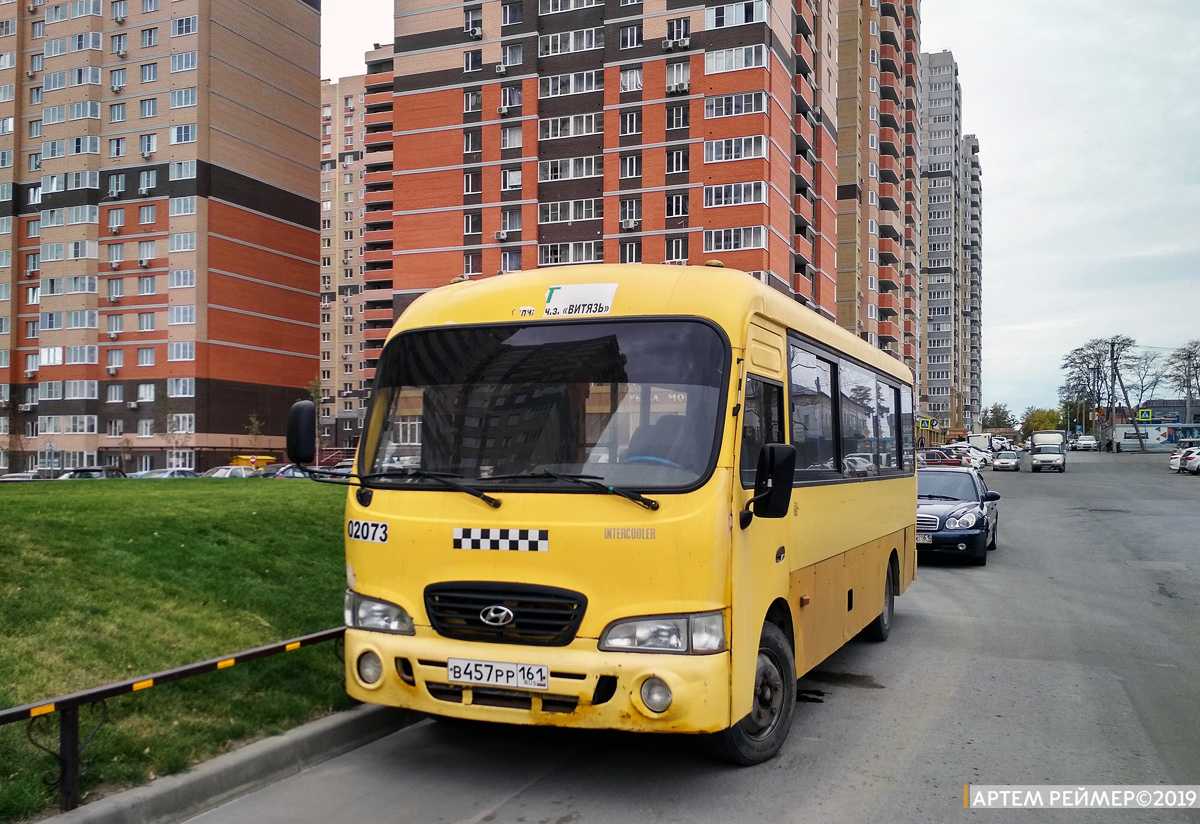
(1088, 118)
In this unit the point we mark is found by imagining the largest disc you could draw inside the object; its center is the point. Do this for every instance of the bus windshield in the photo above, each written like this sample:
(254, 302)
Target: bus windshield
(631, 403)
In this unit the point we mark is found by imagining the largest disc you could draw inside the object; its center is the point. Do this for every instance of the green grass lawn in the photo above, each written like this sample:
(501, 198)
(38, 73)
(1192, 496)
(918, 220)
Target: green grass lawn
(105, 580)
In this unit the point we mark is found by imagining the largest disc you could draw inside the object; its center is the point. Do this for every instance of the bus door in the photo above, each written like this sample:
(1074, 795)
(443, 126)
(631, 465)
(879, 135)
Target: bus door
(760, 561)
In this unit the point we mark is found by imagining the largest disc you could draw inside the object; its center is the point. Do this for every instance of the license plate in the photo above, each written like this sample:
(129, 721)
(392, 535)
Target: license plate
(924, 539)
(498, 674)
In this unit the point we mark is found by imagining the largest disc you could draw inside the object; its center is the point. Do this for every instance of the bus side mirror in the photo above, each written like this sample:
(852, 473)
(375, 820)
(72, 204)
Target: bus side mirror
(772, 483)
(302, 433)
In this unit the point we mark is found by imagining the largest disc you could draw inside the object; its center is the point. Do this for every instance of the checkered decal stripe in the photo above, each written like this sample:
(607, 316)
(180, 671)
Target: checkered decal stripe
(505, 540)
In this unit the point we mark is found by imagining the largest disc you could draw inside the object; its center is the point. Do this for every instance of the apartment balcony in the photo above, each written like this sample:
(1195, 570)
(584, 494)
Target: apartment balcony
(377, 314)
(887, 331)
(889, 31)
(910, 305)
(910, 354)
(892, 192)
(889, 86)
(889, 114)
(888, 279)
(890, 59)
(378, 256)
(888, 303)
(382, 198)
(909, 326)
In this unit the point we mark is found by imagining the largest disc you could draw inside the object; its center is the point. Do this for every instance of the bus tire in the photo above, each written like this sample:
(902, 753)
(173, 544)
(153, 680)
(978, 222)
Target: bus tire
(879, 629)
(759, 736)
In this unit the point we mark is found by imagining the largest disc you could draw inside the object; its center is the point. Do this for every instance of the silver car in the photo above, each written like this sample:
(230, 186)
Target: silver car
(1006, 461)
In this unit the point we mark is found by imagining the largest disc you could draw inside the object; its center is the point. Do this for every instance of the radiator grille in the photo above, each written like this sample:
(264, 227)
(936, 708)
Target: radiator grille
(542, 616)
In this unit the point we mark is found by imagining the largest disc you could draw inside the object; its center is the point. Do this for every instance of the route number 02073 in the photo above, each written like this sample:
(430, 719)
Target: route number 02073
(372, 531)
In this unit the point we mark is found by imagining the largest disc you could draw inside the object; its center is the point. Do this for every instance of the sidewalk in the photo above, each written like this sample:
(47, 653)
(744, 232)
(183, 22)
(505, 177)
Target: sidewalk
(175, 798)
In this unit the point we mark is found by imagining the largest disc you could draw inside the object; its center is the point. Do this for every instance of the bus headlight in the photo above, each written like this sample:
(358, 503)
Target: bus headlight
(362, 612)
(698, 633)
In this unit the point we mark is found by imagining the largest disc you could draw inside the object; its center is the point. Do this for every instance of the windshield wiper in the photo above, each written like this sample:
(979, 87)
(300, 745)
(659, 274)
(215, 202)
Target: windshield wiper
(941, 497)
(593, 481)
(446, 478)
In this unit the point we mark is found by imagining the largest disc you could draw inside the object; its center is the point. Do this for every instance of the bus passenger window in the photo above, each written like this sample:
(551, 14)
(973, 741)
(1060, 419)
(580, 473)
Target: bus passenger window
(762, 423)
(811, 399)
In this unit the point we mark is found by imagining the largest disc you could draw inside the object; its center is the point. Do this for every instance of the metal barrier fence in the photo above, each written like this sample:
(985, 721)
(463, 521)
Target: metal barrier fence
(67, 706)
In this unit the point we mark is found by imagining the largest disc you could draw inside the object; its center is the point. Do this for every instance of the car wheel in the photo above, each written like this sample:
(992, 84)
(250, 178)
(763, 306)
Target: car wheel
(759, 736)
(881, 627)
(980, 557)
(1036, 469)
(1062, 469)
(995, 535)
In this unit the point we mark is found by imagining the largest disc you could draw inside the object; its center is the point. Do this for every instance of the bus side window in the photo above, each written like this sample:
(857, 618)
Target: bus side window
(762, 423)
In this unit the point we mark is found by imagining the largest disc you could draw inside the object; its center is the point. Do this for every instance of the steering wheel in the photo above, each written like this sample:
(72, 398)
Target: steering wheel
(653, 459)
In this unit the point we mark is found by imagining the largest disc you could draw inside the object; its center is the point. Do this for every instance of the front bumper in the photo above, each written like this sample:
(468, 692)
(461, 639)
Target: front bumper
(587, 688)
(947, 542)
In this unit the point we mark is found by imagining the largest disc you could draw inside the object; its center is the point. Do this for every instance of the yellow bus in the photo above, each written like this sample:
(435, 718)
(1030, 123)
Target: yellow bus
(628, 497)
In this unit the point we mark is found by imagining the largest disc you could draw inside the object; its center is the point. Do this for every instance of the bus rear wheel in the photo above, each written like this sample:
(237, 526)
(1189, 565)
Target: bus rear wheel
(881, 627)
(759, 736)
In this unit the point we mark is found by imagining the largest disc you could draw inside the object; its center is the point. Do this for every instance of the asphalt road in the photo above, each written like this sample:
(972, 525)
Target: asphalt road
(1073, 658)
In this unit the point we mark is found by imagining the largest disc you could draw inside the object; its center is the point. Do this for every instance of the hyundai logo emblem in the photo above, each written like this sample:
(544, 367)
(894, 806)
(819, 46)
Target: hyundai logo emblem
(496, 615)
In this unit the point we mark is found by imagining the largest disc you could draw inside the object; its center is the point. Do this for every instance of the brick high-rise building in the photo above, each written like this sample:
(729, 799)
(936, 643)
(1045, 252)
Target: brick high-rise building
(952, 260)
(158, 228)
(539, 132)
(878, 179)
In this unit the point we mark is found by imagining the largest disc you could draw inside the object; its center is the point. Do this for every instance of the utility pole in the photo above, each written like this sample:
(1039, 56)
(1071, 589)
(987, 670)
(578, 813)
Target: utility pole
(1112, 386)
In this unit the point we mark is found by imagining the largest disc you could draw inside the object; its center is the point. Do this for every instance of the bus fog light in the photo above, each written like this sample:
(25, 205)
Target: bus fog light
(656, 695)
(370, 668)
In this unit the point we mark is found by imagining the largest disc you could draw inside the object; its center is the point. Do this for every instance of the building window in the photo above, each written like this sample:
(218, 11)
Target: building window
(678, 117)
(473, 61)
(677, 250)
(510, 179)
(631, 123)
(631, 166)
(472, 223)
(631, 80)
(472, 101)
(677, 161)
(149, 72)
(510, 137)
(631, 37)
(677, 205)
(631, 251)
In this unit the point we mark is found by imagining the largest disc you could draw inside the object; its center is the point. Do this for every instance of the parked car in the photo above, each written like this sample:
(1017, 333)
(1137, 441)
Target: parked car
(345, 467)
(936, 457)
(1006, 461)
(166, 473)
(957, 514)
(858, 466)
(967, 454)
(229, 472)
(21, 476)
(1087, 443)
(280, 470)
(1178, 457)
(84, 473)
(1191, 463)
(984, 458)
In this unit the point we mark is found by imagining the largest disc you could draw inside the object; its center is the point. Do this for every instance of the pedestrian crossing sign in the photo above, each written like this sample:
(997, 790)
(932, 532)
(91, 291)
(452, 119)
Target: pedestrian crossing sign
(1145, 414)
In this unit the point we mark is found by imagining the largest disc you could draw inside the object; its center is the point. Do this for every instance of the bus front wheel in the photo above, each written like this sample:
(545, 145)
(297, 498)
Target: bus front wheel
(759, 736)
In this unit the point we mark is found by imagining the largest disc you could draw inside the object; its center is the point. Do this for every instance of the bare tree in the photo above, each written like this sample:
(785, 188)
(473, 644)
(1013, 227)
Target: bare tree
(1143, 374)
(1182, 372)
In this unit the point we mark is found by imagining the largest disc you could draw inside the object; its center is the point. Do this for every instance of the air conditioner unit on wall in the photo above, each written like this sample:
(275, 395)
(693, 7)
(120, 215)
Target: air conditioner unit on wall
(501, 68)
(143, 263)
(112, 370)
(502, 235)
(502, 110)
(132, 404)
(668, 45)
(631, 223)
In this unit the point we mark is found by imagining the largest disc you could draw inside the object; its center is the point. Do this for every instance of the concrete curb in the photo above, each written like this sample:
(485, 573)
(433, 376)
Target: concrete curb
(174, 798)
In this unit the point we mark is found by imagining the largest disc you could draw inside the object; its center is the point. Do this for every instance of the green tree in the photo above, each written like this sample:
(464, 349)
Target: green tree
(998, 416)
(1036, 419)
(254, 432)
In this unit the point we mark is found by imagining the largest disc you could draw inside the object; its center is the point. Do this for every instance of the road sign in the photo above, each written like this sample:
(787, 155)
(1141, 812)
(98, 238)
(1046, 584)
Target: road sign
(1145, 414)
(1078, 427)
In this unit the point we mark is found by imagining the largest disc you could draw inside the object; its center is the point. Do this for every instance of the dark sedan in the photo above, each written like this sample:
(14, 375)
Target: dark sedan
(956, 514)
